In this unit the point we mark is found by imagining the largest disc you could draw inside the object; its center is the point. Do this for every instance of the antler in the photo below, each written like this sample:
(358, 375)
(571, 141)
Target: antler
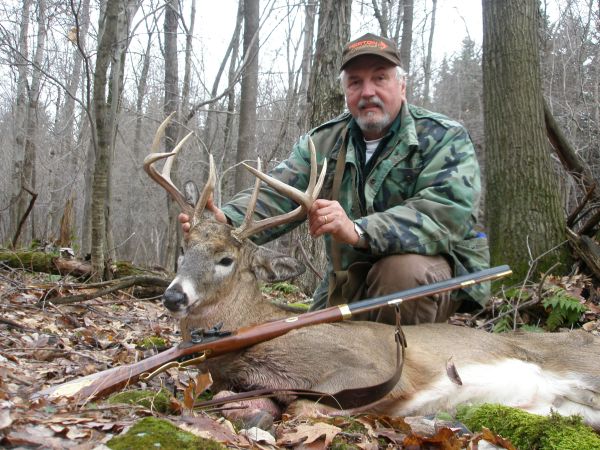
(164, 178)
(305, 199)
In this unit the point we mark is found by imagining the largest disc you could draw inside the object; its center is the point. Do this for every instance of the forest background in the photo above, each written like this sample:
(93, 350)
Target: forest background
(86, 84)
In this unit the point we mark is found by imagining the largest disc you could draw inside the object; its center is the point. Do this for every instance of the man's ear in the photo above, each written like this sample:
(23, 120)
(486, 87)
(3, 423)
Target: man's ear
(271, 266)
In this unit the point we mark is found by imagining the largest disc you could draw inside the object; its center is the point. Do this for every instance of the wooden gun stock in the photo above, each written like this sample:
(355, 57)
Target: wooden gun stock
(103, 383)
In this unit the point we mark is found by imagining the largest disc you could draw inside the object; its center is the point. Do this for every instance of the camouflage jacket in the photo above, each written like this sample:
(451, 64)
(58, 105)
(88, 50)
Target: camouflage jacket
(419, 193)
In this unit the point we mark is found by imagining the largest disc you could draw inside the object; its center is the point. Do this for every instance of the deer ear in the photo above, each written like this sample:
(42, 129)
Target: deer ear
(271, 266)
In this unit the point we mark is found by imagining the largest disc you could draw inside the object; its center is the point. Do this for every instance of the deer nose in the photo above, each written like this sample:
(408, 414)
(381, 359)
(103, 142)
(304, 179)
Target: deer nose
(174, 298)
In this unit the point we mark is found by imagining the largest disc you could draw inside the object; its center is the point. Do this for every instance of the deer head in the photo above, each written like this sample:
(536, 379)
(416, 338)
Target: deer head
(218, 274)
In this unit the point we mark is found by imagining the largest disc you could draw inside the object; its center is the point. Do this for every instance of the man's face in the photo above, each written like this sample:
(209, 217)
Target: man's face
(374, 94)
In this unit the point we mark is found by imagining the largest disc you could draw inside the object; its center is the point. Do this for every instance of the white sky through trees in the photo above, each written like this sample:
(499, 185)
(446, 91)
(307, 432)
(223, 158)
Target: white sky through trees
(455, 19)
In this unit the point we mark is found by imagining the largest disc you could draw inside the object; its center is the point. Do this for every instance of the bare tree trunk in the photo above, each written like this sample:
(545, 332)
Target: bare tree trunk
(114, 33)
(427, 66)
(280, 145)
(397, 21)
(523, 204)
(309, 34)
(107, 39)
(227, 188)
(212, 119)
(325, 100)
(32, 108)
(325, 96)
(18, 196)
(172, 103)
(134, 211)
(406, 43)
(246, 147)
(382, 14)
(189, 36)
(88, 189)
(63, 162)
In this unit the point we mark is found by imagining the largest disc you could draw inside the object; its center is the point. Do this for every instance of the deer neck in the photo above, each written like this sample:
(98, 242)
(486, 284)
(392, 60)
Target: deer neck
(236, 305)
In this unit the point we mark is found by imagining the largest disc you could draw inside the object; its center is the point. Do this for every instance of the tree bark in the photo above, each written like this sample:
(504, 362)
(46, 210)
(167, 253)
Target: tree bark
(246, 146)
(63, 159)
(526, 221)
(172, 103)
(113, 41)
(227, 188)
(135, 207)
(309, 33)
(325, 100)
(107, 39)
(428, 56)
(18, 198)
(406, 42)
(325, 96)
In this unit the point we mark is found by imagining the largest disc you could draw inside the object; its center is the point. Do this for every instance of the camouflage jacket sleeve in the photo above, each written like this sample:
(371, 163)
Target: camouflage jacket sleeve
(442, 200)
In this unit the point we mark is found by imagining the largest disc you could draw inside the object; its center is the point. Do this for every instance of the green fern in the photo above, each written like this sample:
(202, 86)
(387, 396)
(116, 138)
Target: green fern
(564, 309)
(504, 323)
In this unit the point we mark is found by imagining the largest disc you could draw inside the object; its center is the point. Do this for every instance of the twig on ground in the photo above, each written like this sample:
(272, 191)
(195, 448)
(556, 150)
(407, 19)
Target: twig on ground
(110, 287)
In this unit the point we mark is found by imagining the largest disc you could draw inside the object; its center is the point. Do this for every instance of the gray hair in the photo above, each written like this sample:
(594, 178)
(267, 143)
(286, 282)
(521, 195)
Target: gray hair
(400, 75)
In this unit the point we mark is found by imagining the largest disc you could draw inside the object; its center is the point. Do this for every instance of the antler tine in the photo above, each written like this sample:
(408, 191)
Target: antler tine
(208, 190)
(316, 187)
(164, 178)
(305, 199)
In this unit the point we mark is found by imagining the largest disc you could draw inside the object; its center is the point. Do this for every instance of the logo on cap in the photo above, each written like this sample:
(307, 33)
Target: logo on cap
(368, 43)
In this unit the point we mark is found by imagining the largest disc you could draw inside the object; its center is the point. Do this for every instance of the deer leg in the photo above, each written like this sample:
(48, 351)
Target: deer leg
(258, 412)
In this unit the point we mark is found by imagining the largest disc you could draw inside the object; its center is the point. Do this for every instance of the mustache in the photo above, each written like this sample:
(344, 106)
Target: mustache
(372, 101)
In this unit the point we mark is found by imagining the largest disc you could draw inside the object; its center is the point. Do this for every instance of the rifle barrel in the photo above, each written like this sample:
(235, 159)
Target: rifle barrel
(430, 289)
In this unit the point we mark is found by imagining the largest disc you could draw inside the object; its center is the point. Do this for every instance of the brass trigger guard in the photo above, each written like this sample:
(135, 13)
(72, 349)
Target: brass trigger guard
(147, 376)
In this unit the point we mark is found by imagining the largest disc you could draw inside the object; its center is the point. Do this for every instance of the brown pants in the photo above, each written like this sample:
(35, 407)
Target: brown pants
(399, 272)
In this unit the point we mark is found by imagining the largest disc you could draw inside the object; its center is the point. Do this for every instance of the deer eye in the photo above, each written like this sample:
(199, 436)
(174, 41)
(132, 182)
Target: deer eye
(225, 261)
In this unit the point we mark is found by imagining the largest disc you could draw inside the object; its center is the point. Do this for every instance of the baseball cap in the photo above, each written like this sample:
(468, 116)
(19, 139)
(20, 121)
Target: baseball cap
(371, 44)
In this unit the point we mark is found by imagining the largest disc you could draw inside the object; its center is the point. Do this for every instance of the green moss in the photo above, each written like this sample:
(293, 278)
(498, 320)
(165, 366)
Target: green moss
(354, 426)
(299, 305)
(562, 435)
(530, 431)
(151, 342)
(282, 286)
(156, 401)
(152, 433)
(29, 260)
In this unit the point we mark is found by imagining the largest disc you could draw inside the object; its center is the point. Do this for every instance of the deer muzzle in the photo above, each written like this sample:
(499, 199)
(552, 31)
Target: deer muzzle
(175, 299)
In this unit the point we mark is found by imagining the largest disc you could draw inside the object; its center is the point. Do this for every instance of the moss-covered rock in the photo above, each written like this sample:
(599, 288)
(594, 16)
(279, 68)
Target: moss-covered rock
(153, 433)
(531, 431)
(156, 401)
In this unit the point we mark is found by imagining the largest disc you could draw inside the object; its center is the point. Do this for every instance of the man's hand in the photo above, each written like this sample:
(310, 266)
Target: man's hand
(328, 216)
(210, 205)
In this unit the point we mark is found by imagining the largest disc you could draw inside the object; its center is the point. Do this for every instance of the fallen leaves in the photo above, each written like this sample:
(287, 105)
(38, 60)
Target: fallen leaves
(308, 434)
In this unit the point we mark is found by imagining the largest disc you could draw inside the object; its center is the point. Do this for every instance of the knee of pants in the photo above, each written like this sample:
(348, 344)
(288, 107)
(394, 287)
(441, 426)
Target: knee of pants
(398, 272)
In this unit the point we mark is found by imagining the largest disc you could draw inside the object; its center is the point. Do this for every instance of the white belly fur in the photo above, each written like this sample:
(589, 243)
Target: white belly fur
(510, 382)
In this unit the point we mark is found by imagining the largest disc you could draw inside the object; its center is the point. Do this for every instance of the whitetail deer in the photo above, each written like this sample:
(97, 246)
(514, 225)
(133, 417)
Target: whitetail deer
(218, 281)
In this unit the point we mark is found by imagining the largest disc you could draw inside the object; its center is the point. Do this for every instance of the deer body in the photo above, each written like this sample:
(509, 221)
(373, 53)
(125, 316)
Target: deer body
(537, 372)
(560, 374)
(218, 282)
